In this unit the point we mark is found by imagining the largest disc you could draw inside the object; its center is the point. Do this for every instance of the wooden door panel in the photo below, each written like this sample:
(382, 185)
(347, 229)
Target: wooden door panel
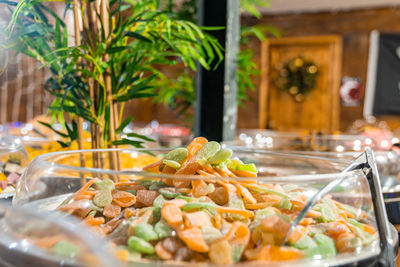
(319, 110)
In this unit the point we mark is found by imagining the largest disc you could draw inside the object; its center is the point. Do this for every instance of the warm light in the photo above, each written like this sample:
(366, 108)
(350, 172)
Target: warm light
(248, 140)
(357, 143)
(339, 148)
(384, 143)
(242, 136)
(368, 141)
(395, 140)
(269, 140)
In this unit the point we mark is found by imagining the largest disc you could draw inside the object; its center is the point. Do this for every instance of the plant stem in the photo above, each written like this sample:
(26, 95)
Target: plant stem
(79, 120)
(108, 84)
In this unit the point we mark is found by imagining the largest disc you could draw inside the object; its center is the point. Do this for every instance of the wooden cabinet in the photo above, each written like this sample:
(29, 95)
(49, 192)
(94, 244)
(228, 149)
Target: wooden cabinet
(320, 110)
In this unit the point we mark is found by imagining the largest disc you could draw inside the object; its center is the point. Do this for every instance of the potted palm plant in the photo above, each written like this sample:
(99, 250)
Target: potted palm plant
(118, 48)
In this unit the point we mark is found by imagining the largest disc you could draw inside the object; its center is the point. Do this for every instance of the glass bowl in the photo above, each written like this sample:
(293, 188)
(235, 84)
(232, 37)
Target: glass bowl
(27, 238)
(13, 160)
(338, 147)
(51, 181)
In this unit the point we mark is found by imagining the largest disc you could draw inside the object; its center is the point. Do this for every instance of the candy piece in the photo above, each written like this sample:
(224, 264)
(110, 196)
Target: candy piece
(140, 245)
(111, 211)
(146, 197)
(105, 184)
(146, 232)
(220, 156)
(197, 218)
(196, 145)
(247, 167)
(168, 192)
(162, 252)
(178, 155)
(210, 234)
(66, 249)
(123, 199)
(193, 239)
(172, 214)
(284, 203)
(325, 247)
(305, 242)
(171, 163)
(221, 252)
(103, 198)
(159, 201)
(275, 253)
(208, 150)
(163, 230)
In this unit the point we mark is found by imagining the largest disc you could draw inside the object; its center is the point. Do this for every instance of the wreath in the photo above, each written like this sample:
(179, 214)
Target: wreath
(297, 77)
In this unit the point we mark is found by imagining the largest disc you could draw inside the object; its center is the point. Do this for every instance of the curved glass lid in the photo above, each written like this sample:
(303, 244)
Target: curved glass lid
(37, 238)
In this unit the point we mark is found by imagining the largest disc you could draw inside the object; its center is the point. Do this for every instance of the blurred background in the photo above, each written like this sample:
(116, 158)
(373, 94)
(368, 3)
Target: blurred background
(335, 36)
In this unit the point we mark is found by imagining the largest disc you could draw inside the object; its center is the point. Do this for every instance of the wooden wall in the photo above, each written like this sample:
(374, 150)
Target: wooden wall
(354, 27)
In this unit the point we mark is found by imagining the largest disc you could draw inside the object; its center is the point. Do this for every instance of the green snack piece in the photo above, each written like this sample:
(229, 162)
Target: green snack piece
(269, 191)
(284, 203)
(105, 184)
(66, 249)
(163, 230)
(92, 213)
(233, 163)
(187, 199)
(356, 223)
(237, 251)
(139, 245)
(146, 182)
(159, 201)
(96, 208)
(133, 192)
(221, 156)
(172, 163)
(103, 198)
(327, 213)
(318, 228)
(146, 232)
(260, 215)
(351, 210)
(168, 194)
(366, 238)
(210, 188)
(236, 202)
(134, 256)
(247, 167)
(208, 150)
(197, 205)
(210, 234)
(305, 242)
(325, 247)
(121, 231)
(156, 214)
(156, 185)
(178, 154)
(289, 187)
(210, 212)
(355, 243)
